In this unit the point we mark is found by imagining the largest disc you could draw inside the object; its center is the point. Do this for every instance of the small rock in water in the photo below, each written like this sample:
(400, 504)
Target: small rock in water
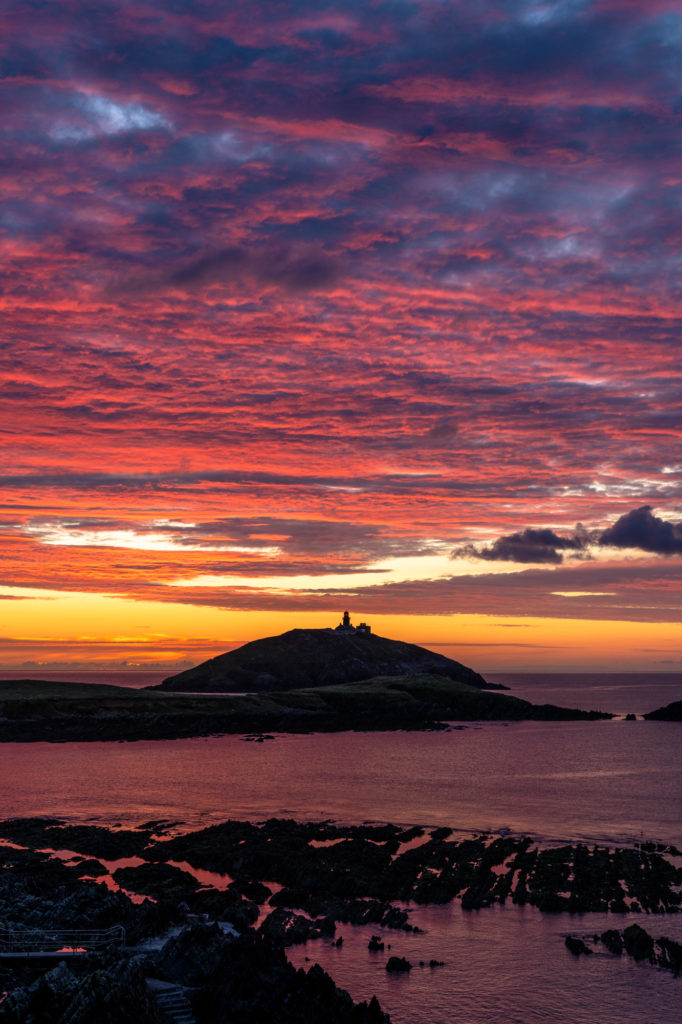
(577, 946)
(398, 964)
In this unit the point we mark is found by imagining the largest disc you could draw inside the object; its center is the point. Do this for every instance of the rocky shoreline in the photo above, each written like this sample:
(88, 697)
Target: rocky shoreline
(211, 912)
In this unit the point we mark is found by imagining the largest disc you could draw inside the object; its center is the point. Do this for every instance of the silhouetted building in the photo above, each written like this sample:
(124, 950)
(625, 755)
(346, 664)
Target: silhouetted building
(345, 626)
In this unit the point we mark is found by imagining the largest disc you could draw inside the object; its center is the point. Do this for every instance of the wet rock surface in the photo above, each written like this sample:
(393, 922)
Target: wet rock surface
(301, 880)
(90, 840)
(354, 874)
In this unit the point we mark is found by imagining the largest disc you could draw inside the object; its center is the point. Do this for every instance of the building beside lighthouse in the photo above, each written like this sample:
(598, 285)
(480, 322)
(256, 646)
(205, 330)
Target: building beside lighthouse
(346, 627)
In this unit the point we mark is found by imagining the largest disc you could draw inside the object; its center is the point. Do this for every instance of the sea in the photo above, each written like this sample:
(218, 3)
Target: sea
(611, 783)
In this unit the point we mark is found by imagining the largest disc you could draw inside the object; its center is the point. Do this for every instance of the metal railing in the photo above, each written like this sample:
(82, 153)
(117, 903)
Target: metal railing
(35, 941)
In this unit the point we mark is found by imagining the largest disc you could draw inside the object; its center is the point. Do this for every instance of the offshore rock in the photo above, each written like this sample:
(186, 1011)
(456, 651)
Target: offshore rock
(669, 713)
(613, 941)
(576, 946)
(638, 943)
(398, 965)
(302, 658)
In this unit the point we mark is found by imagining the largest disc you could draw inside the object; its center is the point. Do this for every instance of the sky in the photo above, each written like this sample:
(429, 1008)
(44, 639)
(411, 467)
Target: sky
(308, 306)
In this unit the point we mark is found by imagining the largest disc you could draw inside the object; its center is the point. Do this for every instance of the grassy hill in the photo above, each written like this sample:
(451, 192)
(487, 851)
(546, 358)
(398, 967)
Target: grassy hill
(316, 657)
(35, 710)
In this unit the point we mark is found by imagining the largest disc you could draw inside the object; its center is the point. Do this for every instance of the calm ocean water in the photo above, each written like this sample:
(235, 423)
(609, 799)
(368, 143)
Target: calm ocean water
(610, 782)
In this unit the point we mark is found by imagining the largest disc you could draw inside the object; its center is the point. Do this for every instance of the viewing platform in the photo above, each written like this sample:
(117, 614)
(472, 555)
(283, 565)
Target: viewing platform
(41, 944)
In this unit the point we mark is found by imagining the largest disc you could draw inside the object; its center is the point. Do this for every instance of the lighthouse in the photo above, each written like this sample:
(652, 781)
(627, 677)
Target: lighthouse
(346, 627)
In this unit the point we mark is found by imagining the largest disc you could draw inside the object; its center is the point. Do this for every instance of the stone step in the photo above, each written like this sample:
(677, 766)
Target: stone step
(174, 1004)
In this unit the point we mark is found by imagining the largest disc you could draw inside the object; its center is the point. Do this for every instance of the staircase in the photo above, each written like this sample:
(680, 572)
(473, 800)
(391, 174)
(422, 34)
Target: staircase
(173, 1003)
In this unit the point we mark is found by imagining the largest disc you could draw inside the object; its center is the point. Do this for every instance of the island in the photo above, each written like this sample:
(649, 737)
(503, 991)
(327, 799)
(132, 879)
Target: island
(301, 658)
(306, 680)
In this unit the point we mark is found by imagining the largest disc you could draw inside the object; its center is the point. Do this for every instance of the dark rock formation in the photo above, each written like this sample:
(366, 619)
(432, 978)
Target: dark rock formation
(613, 941)
(637, 943)
(669, 713)
(398, 965)
(577, 947)
(244, 979)
(329, 873)
(356, 880)
(670, 955)
(94, 992)
(248, 980)
(90, 868)
(37, 891)
(302, 658)
(91, 840)
(285, 928)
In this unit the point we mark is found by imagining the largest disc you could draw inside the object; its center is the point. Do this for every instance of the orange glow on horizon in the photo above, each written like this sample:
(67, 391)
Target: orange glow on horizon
(116, 634)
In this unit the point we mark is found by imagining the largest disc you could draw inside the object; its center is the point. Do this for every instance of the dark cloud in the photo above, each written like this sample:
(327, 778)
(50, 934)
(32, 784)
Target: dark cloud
(636, 529)
(531, 545)
(642, 529)
(311, 271)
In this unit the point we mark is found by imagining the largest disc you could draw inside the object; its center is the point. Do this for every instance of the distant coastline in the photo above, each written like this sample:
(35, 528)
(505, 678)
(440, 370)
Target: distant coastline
(34, 710)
